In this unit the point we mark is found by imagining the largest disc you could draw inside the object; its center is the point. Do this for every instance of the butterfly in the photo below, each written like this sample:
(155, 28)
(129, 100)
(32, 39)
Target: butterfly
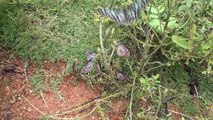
(126, 15)
(88, 67)
(122, 50)
(90, 55)
(122, 76)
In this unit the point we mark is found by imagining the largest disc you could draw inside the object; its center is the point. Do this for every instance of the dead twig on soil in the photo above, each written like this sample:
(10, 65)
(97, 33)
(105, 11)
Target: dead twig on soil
(42, 96)
(183, 115)
(34, 106)
(87, 104)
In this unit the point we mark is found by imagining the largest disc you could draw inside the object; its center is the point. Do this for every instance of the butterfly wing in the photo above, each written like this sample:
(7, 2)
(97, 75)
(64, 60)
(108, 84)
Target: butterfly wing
(90, 55)
(87, 68)
(124, 16)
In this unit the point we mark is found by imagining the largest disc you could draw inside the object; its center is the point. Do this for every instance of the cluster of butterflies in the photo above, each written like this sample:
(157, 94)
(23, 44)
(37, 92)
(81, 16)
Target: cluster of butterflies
(123, 17)
(126, 15)
(122, 51)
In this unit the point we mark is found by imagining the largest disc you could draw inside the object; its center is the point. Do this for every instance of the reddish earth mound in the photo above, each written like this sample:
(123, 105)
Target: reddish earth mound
(19, 100)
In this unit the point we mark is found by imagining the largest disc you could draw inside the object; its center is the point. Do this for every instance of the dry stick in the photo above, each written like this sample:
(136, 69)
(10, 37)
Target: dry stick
(155, 62)
(78, 108)
(34, 106)
(181, 114)
(89, 112)
(159, 103)
(89, 103)
(78, 117)
(42, 96)
(100, 36)
(43, 112)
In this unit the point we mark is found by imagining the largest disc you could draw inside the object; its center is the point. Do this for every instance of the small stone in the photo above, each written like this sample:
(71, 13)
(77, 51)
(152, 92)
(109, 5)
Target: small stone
(29, 109)
(7, 90)
(31, 91)
(19, 97)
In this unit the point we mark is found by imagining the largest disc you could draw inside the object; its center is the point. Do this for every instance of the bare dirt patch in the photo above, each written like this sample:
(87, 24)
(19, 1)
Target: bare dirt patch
(20, 101)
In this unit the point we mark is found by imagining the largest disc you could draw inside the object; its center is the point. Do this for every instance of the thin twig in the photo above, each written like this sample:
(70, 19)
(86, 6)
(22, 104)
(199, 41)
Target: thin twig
(132, 91)
(159, 103)
(34, 106)
(42, 96)
(88, 103)
(181, 114)
(111, 56)
(100, 36)
(153, 68)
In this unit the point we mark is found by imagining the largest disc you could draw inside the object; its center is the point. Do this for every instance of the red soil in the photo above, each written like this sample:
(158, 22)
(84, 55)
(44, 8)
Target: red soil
(19, 100)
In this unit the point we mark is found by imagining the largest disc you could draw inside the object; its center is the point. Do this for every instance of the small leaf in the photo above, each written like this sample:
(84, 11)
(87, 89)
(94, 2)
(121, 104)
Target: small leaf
(154, 10)
(181, 42)
(189, 3)
(172, 23)
(155, 77)
(155, 23)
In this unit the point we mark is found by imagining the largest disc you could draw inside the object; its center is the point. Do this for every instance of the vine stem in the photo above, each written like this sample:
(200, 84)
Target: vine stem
(159, 103)
(132, 91)
(100, 36)
(132, 97)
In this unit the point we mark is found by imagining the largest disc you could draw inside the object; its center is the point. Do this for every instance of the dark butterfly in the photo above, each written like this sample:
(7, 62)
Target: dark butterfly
(122, 76)
(126, 15)
(90, 55)
(87, 67)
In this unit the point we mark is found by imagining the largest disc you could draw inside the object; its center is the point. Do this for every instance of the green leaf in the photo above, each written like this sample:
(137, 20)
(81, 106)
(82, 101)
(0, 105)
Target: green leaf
(172, 23)
(143, 81)
(155, 23)
(189, 3)
(181, 42)
(154, 10)
(155, 77)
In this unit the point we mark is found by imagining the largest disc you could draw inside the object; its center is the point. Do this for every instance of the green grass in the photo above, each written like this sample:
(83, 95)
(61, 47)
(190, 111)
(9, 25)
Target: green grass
(36, 81)
(177, 79)
(54, 83)
(49, 29)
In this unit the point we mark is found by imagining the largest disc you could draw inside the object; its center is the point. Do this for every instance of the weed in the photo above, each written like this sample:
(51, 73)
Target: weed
(37, 82)
(160, 40)
(55, 84)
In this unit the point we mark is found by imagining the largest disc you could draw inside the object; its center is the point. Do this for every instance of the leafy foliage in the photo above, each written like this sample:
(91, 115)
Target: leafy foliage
(169, 36)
